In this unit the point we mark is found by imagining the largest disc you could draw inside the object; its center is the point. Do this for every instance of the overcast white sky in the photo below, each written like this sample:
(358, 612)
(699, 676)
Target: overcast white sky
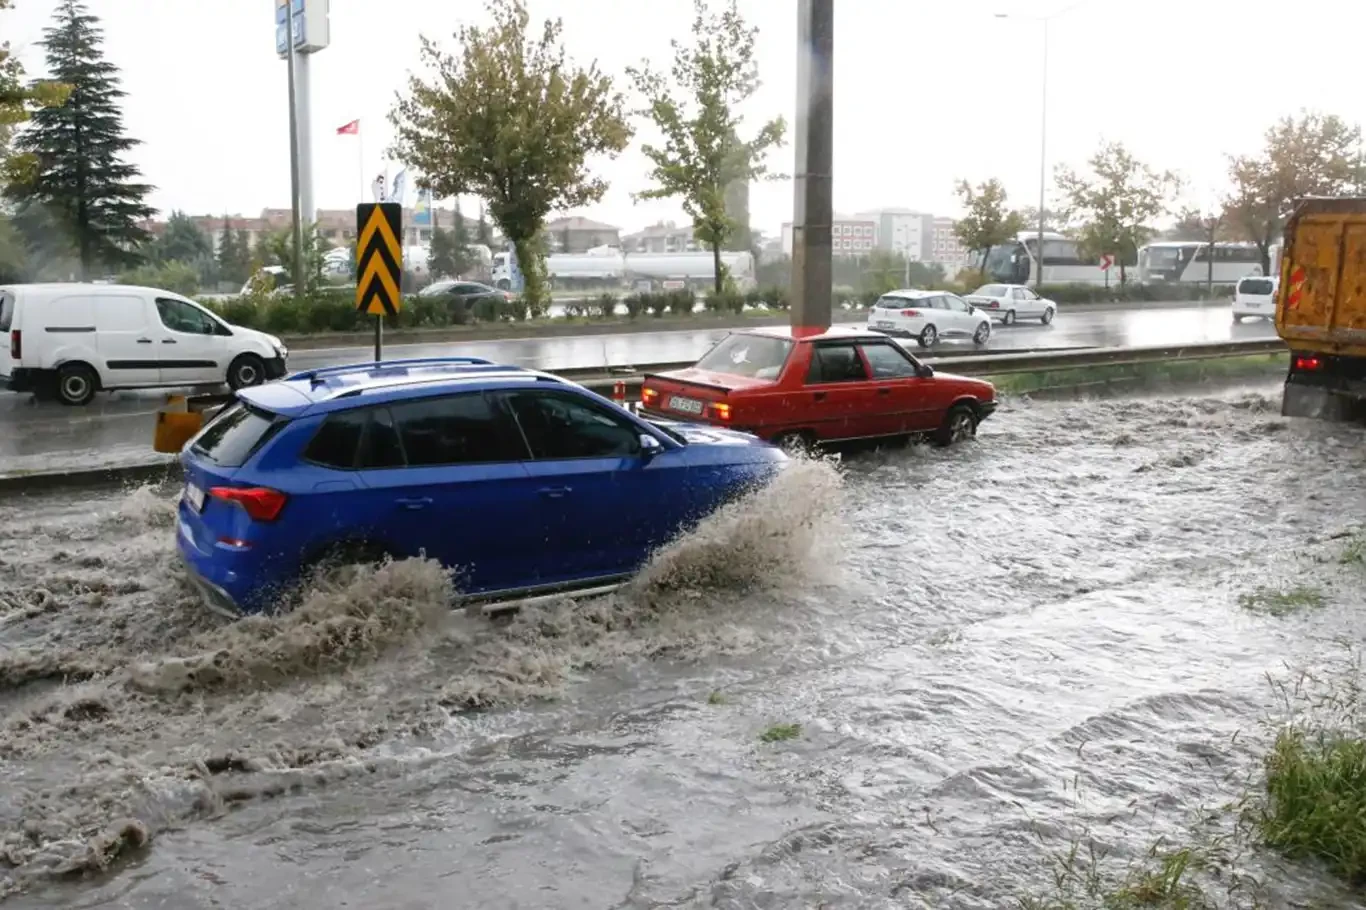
(926, 91)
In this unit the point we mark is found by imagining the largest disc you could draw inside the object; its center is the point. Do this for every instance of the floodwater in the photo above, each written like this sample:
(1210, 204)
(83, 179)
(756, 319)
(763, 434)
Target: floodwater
(991, 652)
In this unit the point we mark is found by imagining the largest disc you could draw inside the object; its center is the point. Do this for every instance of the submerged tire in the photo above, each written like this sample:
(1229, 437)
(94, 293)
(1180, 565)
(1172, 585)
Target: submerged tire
(76, 384)
(960, 425)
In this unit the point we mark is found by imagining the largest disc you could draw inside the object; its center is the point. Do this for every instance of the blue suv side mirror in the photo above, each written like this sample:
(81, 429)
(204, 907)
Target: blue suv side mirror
(649, 446)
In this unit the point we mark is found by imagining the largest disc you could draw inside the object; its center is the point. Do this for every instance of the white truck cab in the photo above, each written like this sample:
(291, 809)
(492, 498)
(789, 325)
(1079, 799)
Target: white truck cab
(73, 340)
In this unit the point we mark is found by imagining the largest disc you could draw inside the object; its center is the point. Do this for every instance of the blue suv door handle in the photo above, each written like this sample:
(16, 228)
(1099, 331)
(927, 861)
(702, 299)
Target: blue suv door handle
(555, 492)
(414, 504)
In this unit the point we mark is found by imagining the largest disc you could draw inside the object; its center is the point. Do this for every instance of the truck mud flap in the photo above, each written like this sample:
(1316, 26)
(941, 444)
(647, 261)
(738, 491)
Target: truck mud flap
(1320, 403)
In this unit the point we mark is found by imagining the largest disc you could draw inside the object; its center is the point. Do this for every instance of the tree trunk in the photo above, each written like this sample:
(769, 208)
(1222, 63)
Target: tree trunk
(1123, 275)
(533, 283)
(716, 265)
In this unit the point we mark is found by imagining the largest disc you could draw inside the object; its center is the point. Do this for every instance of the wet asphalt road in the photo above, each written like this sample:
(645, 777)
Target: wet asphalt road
(990, 650)
(116, 428)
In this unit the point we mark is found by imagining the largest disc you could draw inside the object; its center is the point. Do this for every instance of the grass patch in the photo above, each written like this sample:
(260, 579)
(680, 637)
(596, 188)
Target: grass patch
(781, 733)
(1354, 552)
(1282, 602)
(1316, 800)
(717, 698)
(1139, 374)
(1163, 879)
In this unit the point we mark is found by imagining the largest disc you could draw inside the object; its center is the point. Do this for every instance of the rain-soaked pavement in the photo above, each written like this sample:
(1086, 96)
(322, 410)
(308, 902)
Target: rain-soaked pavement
(989, 650)
(117, 429)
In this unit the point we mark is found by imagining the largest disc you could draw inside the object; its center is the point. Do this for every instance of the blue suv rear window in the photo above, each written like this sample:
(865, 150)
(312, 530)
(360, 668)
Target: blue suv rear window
(236, 435)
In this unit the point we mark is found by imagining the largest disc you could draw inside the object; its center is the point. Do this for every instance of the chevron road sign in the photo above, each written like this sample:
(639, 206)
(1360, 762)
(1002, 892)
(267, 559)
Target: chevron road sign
(379, 258)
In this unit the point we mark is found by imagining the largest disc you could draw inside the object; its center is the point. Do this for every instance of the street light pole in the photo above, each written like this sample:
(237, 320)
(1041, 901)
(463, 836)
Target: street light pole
(294, 157)
(1043, 157)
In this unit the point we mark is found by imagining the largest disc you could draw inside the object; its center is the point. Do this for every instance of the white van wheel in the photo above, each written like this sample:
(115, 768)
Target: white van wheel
(76, 384)
(247, 370)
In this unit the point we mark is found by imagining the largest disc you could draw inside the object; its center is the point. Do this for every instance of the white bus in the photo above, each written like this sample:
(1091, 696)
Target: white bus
(1187, 262)
(1017, 262)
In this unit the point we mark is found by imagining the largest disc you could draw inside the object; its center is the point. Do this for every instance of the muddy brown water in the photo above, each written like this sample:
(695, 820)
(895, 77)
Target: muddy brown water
(991, 651)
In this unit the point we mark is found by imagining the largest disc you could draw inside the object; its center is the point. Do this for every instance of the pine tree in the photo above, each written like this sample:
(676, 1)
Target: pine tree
(229, 255)
(81, 190)
(485, 235)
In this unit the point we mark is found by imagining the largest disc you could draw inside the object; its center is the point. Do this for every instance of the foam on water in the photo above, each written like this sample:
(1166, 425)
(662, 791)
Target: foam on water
(127, 707)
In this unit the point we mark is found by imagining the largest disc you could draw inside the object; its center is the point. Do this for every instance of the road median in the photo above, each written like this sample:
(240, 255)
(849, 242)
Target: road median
(1023, 372)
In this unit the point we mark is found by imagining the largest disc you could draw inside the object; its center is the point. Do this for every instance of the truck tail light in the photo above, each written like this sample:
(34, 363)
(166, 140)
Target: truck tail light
(1307, 363)
(16, 345)
(260, 503)
(911, 313)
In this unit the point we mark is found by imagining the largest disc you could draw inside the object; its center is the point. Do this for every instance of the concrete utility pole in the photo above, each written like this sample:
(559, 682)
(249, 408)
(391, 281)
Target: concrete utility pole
(813, 207)
(294, 157)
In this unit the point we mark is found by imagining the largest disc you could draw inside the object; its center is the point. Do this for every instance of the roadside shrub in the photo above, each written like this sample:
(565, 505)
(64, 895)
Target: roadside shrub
(724, 302)
(681, 302)
(657, 304)
(489, 309)
(636, 304)
(575, 310)
(177, 277)
(604, 306)
(775, 297)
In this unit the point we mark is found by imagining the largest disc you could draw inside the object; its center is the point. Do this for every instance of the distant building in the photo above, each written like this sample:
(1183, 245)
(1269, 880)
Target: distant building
(337, 226)
(903, 231)
(945, 247)
(579, 235)
(664, 237)
(848, 236)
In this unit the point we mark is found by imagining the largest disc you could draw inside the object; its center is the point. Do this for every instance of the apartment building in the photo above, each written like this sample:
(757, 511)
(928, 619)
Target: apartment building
(579, 235)
(849, 236)
(902, 231)
(945, 247)
(664, 237)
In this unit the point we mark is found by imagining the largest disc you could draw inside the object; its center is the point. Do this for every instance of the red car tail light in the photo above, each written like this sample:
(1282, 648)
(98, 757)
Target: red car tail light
(260, 503)
(649, 396)
(1308, 363)
(16, 345)
(910, 313)
(722, 411)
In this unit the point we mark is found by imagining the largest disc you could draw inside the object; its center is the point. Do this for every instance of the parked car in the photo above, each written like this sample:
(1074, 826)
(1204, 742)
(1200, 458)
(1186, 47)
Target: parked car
(73, 340)
(463, 293)
(928, 316)
(1008, 302)
(524, 483)
(799, 390)
(1254, 296)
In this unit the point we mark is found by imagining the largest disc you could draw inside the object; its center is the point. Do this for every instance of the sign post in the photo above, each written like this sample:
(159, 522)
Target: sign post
(379, 264)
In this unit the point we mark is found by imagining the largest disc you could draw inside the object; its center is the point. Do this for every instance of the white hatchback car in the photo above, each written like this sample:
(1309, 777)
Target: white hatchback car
(1008, 302)
(928, 316)
(1254, 296)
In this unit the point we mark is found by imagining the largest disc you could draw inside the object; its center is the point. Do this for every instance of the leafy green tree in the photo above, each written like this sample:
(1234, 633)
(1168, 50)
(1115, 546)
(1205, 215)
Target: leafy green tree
(1117, 202)
(483, 233)
(13, 260)
(986, 220)
(182, 241)
(696, 107)
(278, 249)
(180, 277)
(1310, 155)
(449, 256)
(17, 102)
(234, 254)
(79, 182)
(511, 120)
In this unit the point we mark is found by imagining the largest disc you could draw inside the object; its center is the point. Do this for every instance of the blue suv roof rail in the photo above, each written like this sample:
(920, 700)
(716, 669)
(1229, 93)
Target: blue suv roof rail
(315, 374)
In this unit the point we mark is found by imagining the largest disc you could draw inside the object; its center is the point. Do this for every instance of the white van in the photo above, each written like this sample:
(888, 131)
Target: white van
(1254, 296)
(72, 340)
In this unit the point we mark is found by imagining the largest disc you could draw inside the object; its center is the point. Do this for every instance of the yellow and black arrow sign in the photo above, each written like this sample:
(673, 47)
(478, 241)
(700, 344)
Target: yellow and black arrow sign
(379, 258)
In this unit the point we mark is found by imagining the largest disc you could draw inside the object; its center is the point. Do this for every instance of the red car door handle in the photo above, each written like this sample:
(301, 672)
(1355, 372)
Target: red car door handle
(884, 391)
(818, 396)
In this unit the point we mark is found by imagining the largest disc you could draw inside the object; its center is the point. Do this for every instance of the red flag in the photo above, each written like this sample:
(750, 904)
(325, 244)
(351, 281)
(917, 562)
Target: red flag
(350, 129)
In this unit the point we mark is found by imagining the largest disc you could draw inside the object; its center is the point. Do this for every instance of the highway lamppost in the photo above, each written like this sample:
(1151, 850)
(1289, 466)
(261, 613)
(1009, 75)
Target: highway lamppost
(1043, 126)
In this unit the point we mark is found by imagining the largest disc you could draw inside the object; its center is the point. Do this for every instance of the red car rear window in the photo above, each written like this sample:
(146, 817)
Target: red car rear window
(753, 356)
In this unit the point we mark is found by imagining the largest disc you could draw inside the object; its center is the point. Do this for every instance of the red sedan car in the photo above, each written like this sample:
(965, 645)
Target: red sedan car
(799, 390)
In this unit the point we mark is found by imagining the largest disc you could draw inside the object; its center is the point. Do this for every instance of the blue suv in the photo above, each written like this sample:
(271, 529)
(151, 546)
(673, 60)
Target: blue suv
(522, 482)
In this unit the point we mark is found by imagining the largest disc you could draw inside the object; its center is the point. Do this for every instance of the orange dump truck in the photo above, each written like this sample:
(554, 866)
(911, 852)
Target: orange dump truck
(1321, 309)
